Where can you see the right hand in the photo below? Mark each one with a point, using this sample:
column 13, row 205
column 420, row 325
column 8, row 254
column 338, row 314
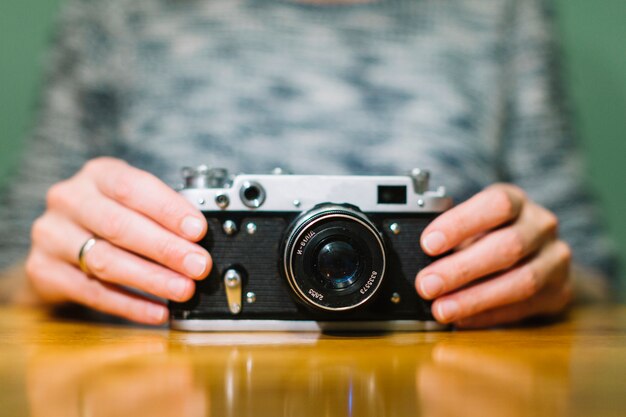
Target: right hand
column 146, row 233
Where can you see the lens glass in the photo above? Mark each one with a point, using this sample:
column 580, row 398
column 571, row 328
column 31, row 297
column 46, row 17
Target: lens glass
column 338, row 263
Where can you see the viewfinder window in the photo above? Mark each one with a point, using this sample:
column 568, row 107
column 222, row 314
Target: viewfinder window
column 392, row 194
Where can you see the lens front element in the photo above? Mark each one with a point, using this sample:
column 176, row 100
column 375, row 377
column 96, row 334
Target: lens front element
column 338, row 263
column 334, row 258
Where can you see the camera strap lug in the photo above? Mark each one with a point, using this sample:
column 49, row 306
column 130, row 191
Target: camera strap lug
column 232, row 284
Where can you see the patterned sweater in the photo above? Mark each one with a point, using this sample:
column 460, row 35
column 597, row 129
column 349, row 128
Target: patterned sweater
column 469, row 89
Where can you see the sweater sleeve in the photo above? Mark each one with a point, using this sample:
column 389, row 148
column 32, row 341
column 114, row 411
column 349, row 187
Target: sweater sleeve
column 76, row 110
column 539, row 147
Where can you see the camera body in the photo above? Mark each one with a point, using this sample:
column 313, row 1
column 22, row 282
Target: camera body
column 310, row 253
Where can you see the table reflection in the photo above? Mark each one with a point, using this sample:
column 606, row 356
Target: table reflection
column 134, row 378
column 298, row 375
column 491, row 381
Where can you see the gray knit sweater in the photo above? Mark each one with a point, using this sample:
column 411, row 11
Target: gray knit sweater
column 469, row 89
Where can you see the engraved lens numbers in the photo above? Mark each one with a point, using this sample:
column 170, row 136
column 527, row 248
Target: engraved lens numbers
column 315, row 294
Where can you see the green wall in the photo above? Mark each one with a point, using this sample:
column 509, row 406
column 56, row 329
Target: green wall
column 24, row 29
column 595, row 47
column 595, row 50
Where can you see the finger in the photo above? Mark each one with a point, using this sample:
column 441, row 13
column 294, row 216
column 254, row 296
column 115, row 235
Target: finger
column 134, row 232
column 549, row 302
column 487, row 210
column 146, row 194
column 550, row 266
column 470, row 241
column 116, row 266
column 61, row 238
column 498, row 250
column 35, row 267
column 49, row 273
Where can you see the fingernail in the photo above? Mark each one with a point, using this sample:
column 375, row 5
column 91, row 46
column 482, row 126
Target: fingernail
column 431, row 285
column 177, row 288
column 448, row 310
column 195, row 264
column 156, row 313
column 434, row 242
column 192, row 227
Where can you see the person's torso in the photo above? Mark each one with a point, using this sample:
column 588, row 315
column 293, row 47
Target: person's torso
column 375, row 88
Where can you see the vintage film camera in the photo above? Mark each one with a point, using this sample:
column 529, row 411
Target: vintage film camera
column 309, row 252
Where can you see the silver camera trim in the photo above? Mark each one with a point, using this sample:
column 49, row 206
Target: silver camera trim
column 288, row 193
column 290, row 249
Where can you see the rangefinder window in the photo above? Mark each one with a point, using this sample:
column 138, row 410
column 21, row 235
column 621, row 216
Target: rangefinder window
column 392, row 194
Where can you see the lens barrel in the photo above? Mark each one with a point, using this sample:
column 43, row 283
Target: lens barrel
column 334, row 258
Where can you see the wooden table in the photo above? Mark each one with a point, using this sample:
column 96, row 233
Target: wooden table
column 64, row 367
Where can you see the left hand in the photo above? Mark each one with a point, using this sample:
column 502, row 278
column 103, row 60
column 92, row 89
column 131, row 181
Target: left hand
column 507, row 262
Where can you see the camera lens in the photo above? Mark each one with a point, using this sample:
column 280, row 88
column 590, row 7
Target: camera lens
column 334, row 258
column 338, row 262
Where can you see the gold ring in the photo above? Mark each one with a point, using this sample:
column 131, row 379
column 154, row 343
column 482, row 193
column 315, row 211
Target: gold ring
column 87, row 246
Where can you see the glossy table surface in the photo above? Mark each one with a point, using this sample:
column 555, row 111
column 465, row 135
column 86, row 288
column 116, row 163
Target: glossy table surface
column 64, row 367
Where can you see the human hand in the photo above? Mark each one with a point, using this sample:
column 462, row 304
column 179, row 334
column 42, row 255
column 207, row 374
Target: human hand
column 508, row 263
column 145, row 241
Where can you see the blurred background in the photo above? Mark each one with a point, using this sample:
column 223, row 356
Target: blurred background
column 594, row 36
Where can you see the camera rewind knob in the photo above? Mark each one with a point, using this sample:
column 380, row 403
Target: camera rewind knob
column 420, row 178
column 205, row 177
column 281, row 171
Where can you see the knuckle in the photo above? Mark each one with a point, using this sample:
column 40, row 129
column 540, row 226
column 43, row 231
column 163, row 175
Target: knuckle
column 56, row 195
column 39, row 276
column 511, row 190
column 114, row 226
column 529, row 282
column 94, row 165
column 32, row 267
column 513, row 245
column 38, row 230
column 516, row 190
column 121, row 187
column 454, row 226
column 564, row 251
column 172, row 209
column 551, row 222
column 169, row 250
column 502, row 202
column 462, row 272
